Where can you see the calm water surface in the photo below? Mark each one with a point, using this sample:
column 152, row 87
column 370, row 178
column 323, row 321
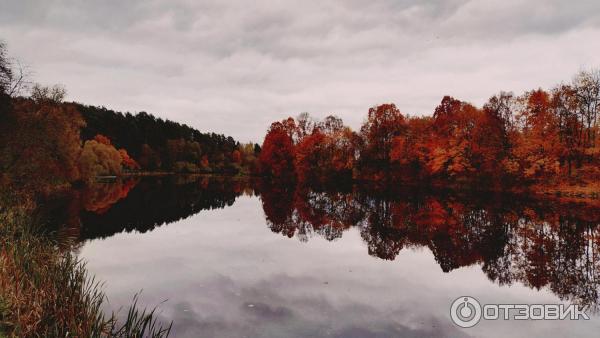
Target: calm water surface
column 231, row 258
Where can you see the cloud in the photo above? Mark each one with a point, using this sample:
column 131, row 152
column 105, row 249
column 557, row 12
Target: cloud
column 233, row 67
column 276, row 308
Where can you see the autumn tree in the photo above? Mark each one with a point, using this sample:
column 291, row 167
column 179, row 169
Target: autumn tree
column 383, row 124
column 99, row 159
column 410, row 153
column 343, row 145
column 40, row 144
column 451, row 145
column 277, row 155
column 102, row 139
column 236, row 157
column 128, row 162
column 538, row 147
column 310, row 157
column 248, row 158
column 328, row 152
column 340, row 146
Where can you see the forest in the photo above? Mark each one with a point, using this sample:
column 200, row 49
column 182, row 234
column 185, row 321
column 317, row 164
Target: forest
column 541, row 139
column 47, row 144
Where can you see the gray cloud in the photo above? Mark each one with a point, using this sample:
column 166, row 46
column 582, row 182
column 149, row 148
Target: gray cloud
column 273, row 309
column 233, row 66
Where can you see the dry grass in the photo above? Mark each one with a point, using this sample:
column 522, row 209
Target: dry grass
column 46, row 291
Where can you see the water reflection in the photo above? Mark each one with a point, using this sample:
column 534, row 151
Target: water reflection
column 539, row 243
column 157, row 201
column 104, row 209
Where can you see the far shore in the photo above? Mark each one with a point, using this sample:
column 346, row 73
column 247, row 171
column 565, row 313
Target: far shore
column 581, row 193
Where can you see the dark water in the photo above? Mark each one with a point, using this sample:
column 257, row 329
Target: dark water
column 238, row 258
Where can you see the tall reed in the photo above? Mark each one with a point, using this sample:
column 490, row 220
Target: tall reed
column 46, row 291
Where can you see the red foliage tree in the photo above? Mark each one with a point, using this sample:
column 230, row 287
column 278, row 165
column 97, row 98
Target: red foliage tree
column 277, row 155
column 310, row 155
column 102, row 139
column 409, row 152
column 128, row 162
column 384, row 123
column 236, row 157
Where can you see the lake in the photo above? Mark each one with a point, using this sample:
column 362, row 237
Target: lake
column 224, row 257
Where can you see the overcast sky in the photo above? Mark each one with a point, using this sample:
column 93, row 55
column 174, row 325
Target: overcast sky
column 235, row 66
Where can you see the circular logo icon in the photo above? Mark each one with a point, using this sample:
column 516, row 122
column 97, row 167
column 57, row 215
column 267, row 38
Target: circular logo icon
column 465, row 311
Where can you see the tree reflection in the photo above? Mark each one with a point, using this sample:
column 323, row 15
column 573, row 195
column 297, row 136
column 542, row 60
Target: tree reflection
column 538, row 243
column 99, row 198
column 157, row 201
column 104, row 209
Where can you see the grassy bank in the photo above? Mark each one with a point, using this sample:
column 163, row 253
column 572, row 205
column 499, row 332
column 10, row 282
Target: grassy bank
column 45, row 291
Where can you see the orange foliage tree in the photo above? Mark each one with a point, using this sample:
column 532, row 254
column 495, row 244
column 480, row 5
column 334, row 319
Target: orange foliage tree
column 451, row 145
column 537, row 147
column 40, row 144
column 533, row 138
column 327, row 152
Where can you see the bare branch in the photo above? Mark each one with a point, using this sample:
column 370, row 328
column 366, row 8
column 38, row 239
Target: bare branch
column 13, row 75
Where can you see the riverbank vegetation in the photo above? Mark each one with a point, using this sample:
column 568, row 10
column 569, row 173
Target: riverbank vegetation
column 45, row 290
column 47, row 140
column 539, row 141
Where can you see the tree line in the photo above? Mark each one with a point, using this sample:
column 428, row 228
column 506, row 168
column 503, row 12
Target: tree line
column 158, row 144
column 542, row 136
column 47, row 143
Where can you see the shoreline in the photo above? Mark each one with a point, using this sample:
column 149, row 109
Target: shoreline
column 572, row 193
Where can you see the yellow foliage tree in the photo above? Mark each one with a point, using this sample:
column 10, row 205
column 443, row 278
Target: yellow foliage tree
column 99, row 159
